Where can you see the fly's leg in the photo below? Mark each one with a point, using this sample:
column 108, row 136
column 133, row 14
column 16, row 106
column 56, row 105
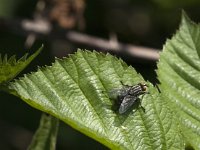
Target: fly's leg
column 143, row 109
column 158, row 88
column 124, row 84
column 140, row 105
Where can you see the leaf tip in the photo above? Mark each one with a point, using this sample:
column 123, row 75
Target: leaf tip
column 185, row 19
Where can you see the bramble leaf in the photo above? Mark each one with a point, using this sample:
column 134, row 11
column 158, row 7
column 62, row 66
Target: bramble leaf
column 10, row 67
column 179, row 74
column 46, row 135
column 75, row 90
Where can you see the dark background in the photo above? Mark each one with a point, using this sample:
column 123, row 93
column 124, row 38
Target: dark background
column 137, row 22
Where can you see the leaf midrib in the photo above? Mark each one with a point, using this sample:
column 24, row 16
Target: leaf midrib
column 121, row 130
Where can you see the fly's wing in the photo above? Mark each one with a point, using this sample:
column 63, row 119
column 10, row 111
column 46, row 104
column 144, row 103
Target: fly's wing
column 116, row 93
column 127, row 102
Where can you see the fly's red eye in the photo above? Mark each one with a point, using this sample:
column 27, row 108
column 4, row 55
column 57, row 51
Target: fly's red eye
column 143, row 86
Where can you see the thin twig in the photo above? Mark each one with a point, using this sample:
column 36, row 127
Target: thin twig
column 135, row 51
column 42, row 28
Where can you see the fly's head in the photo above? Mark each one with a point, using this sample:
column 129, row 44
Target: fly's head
column 144, row 87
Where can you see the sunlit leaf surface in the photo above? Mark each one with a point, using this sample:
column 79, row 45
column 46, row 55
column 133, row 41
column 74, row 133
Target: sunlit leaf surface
column 75, row 90
column 179, row 74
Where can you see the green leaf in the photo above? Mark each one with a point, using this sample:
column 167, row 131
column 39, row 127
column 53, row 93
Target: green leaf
column 171, row 4
column 179, row 74
column 46, row 135
column 10, row 68
column 76, row 89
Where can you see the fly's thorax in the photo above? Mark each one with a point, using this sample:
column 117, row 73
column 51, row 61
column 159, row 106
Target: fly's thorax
column 138, row 89
column 135, row 90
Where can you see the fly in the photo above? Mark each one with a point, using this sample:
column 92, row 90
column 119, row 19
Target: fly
column 127, row 96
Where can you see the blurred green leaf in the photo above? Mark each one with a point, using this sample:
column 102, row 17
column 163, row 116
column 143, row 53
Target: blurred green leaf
column 176, row 4
column 46, row 135
column 179, row 74
column 10, row 68
column 8, row 7
column 75, row 90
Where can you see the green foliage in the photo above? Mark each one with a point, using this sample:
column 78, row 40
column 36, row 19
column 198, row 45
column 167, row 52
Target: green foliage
column 46, row 135
column 10, row 67
column 179, row 74
column 76, row 89
column 171, row 4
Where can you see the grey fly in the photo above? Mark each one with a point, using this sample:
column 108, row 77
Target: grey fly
column 127, row 96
